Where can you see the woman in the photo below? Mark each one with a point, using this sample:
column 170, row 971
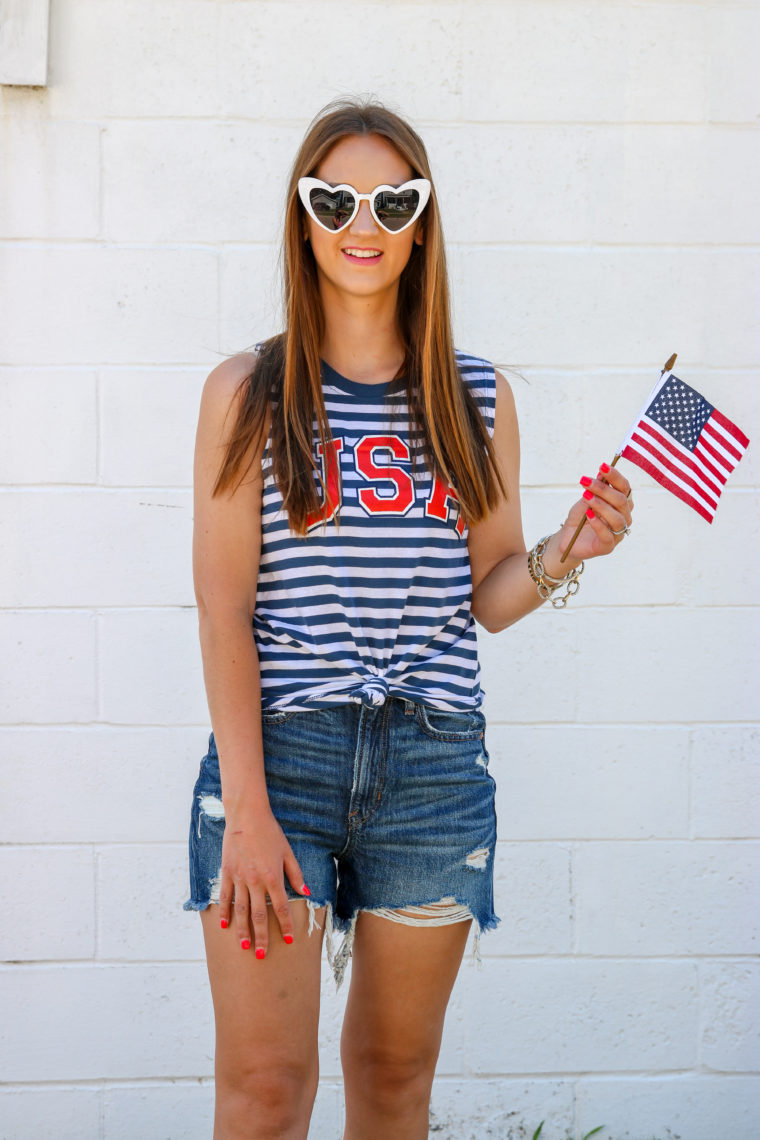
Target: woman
column 356, row 506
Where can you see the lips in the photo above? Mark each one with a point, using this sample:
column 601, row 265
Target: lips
column 366, row 259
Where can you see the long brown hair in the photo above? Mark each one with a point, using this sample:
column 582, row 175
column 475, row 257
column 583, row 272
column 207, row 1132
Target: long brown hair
column 286, row 377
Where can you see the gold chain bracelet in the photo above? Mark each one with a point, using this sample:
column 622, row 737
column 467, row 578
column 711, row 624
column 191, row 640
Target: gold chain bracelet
column 545, row 583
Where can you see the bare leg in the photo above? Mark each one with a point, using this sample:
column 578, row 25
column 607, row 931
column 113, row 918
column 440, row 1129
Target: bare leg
column 401, row 980
column 267, row 1015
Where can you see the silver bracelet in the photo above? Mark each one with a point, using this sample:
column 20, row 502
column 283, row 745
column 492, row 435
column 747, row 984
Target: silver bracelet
column 545, row 583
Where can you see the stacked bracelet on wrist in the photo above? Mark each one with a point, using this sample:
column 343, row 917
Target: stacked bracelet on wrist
column 545, row 584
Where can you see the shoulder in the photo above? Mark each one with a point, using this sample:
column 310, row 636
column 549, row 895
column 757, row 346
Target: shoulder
column 225, row 383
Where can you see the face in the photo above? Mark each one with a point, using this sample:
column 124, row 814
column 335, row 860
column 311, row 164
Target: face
column 364, row 162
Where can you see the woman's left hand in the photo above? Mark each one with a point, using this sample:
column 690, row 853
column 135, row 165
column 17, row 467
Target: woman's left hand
column 611, row 506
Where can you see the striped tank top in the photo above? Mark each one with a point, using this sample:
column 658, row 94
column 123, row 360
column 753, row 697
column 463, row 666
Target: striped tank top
column 380, row 606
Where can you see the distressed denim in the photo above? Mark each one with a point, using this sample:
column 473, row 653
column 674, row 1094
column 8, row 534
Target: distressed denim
column 385, row 808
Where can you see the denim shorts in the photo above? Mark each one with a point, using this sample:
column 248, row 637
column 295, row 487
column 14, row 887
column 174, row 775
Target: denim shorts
column 385, row 807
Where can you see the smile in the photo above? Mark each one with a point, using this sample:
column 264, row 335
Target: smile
column 364, row 255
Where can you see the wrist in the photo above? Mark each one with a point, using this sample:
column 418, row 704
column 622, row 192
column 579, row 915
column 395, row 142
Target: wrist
column 552, row 555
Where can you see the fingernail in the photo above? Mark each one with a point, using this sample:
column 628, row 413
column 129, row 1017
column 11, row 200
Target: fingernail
column 590, row 514
column 586, row 481
column 604, row 467
column 260, row 952
column 288, row 937
column 224, row 924
column 588, row 494
column 245, row 943
column 305, row 890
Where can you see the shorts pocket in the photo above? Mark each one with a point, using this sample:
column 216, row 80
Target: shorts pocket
column 441, row 725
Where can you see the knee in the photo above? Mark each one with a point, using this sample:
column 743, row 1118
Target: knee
column 393, row 1078
column 265, row 1100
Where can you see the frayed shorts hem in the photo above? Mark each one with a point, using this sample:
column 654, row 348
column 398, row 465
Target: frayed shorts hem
column 339, row 958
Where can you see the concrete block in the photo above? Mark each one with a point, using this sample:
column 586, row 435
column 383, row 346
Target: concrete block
column 148, row 421
column 124, row 60
column 107, row 527
column 730, row 1023
column 64, row 1113
column 48, row 673
column 635, row 183
column 495, row 1109
column 141, row 1021
column 180, row 1110
column 64, row 928
column 54, row 439
column 184, row 1110
column 530, row 659
column 693, row 1105
column 151, row 668
column 545, row 61
column 261, row 59
column 561, row 306
column 119, row 785
column 725, row 781
column 733, row 32
column 43, row 194
column 137, row 882
column 532, row 890
column 580, row 1016
column 589, row 781
column 732, row 297
column 73, row 304
column 190, row 180
column 250, row 297
column 720, row 644
column 662, row 897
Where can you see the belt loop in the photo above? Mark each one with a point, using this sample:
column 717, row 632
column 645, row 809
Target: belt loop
column 408, row 707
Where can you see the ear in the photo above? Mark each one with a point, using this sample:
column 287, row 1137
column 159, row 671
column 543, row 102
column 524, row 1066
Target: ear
column 419, row 236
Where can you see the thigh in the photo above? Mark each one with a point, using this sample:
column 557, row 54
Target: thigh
column 401, row 981
column 259, row 1003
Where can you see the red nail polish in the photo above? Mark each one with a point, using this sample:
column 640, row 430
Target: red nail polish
column 590, row 514
column 604, row 467
column 586, row 481
column 305, row 890
column 245, row 943
column 588, row 494
column 224, row 924
column 260, row 952
column 288, row 937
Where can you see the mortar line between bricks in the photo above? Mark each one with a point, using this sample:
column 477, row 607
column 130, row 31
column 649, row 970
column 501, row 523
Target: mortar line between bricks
column 516, row 839
column 134, row 726
column 221, row 246
column 12, row 965
column 578, row 370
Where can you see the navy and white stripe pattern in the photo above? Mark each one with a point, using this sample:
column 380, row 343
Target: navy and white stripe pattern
column 380, row 606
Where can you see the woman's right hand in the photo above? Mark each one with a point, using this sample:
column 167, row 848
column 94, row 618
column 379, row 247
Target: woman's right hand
column 254, row 854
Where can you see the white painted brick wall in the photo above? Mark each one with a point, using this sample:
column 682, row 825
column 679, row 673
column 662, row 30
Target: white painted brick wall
column 598, row 169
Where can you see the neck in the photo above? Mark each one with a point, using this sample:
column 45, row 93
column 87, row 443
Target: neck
column 361, row 338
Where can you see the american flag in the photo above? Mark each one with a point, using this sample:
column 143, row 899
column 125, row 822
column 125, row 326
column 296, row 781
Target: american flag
column 685, row 443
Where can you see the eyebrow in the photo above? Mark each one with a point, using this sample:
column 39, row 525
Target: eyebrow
column 394, row 186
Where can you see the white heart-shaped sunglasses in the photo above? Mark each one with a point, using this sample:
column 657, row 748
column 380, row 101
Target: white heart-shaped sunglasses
column 335, row 207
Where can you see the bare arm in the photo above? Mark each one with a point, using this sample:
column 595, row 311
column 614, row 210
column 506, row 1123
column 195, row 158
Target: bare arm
column 226, row 552
column 502, row 588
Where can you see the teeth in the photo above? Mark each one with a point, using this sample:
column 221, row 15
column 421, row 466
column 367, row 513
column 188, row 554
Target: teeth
column 362, row 252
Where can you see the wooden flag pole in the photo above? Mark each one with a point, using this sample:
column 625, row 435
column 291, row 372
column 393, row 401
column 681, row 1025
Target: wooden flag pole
column 666, row 368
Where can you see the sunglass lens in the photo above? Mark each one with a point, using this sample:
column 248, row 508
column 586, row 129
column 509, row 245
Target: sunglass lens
column 332, row 207
column 395, row 210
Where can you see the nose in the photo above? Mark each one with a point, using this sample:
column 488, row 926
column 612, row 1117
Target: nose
column 363, row 223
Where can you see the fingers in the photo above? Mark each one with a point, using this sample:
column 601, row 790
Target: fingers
column 225, row 899
column 608, row 497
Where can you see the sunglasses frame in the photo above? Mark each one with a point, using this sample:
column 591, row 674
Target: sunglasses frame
column 421, row 185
